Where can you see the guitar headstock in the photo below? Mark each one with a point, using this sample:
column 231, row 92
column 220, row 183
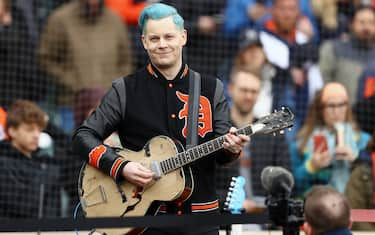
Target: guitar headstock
column 235, row 196
column 276, row 121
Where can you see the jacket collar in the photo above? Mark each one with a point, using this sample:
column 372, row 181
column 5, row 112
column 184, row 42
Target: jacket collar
column 154, row 72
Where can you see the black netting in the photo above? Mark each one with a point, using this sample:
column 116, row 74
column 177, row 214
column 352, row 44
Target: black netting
column 63, row 56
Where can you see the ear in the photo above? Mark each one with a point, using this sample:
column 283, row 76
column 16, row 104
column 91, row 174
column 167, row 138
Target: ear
column 184, row 37
column 350, row 224
column 11, row 132
column 230, row 88
column 144, row 42
column 307, row 228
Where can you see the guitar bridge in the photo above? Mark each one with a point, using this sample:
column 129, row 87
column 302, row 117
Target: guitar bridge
column 95, row 197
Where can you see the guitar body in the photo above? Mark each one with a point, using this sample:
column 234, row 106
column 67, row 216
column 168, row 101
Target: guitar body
column 101, row 196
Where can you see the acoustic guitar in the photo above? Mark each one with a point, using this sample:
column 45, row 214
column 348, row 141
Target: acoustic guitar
column 101, row 196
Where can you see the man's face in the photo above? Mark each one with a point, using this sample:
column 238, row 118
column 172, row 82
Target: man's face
column 163, row 42
column 285, row 14
column 363, row 25
column 244, row 91
column 25, row 137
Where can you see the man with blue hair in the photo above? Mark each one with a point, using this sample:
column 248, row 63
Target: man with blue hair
column 153, row 101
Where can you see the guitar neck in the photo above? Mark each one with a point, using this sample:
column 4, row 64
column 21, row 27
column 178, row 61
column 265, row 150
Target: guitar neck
column 202, row 150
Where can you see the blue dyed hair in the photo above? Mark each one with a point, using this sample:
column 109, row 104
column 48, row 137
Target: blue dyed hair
column 158, row 11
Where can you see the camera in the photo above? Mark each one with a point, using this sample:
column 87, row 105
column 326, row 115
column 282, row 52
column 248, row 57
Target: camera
column 283, row 210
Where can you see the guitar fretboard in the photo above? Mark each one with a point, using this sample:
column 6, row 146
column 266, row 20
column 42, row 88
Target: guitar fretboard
column 197, row 152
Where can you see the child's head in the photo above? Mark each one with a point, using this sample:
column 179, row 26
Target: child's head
column 25, row 122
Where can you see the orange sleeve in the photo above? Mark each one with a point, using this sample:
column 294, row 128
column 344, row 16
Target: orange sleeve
column 369, row 90
column 3, row 117
column 127, row 10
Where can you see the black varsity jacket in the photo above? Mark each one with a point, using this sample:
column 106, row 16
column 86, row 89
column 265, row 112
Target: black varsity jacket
column 144, row 105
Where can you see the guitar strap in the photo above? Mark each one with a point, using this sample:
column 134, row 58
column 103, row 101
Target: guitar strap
column 193, row 109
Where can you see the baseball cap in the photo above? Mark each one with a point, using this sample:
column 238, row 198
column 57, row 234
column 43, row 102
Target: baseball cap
column 248, row 38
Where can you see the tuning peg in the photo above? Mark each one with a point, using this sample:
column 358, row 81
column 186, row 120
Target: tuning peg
column 282, row 132
column 289, row 129
column 274, row 134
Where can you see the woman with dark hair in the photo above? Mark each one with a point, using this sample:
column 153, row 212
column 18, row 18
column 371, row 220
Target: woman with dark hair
column 328, row 142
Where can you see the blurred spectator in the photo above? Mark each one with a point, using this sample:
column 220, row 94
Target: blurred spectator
column 327, row 17
column 129, row 11
column 29, row 181
column 85, row 102
column 250, row 13
column 360, row 189
column 251, row 56
column 17, row 64
column 35, row 13
column 206, row 47
column 263, row 150
column 343, row 60
column 328, row 142
column 333, row 17
column 364, row 108
column 327, row 212
column 365, row 113
column 83, row 44
column 366, row 82
column 287, row 41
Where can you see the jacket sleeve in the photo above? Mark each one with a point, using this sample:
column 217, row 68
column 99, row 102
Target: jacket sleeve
column 221, row 122
column 301, row 174
column 88, row 138
column 327, row 60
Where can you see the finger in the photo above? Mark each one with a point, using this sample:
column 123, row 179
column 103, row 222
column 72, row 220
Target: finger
column 232, row 130
column 143, row 168
column 229, row 139
column 144, row 175
column 244, row 138
column 143, row 182
column 320, row 147
column 236, row 139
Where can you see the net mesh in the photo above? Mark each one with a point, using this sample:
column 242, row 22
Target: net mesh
column 63, row 57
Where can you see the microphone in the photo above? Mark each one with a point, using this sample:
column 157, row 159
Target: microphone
column 277, row 181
